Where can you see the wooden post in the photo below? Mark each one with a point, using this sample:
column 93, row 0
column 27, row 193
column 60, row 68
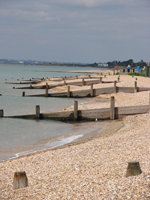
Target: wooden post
column 37, row 112
column 135, row 86
column 20, row 180
column 83, row 82
column 100, row 79
column 105, row 75
column 112, row 107
column 23, row 93
column 76, row 76
column 149, row 102
column 68, row 93
column 92, row 94
column 46, row 92
column 75, row 110
column 64, row 82
column 1, row 113
column 133, row 169
column 30, row 86
column 47, row 86
column 89, row 76
column 115, row 89
column 118, row 78
column 114, row 72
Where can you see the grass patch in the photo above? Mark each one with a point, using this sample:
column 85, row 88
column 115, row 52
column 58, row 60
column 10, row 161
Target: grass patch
column 137, row 74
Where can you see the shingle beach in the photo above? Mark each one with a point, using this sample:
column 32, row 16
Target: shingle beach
column 92, row 169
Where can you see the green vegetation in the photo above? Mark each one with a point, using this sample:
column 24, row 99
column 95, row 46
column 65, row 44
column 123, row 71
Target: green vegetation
column 142, row 73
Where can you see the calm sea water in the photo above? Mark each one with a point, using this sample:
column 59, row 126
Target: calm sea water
column 18, row 136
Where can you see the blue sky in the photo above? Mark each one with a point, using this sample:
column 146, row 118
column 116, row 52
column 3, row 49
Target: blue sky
column 75, row 30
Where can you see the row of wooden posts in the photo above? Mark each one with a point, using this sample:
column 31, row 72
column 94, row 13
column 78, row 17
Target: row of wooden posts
column 37, row 116
column 91, row 93
column 20, row 178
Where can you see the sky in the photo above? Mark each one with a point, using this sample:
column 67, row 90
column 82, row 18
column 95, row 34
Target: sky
column 83, row 31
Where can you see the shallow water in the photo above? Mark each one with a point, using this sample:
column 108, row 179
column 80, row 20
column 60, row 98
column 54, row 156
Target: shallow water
column 18, row 136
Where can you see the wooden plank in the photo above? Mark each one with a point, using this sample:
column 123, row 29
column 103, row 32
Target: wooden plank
column 130, row 110
column 93, row 114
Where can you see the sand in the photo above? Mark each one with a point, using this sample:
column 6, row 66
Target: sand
column 94, row 168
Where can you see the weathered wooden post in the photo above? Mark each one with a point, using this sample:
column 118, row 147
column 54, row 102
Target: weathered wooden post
column 76, row 76
column 68, row 93
column 149, row 102
column 133, row 169
column 75, row 110
column 118, row 78
column 37, row 112
column 92, row 93
column 105, row 75
column 46, row 90
column 115, row 89
column 112, row 107
column 1, row 113
column 64, row 82
column 114, row 72
column 31, row 87
column 83, row 82
column 100, row 79
column 89, row 76
column 20, row 180
column 23, row 94
column 47, row 86
column 135, row 86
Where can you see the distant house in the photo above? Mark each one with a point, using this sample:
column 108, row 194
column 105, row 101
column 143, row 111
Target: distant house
column 102, row 65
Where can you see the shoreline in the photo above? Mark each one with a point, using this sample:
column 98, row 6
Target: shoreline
column 106, row 127
column 92, row 168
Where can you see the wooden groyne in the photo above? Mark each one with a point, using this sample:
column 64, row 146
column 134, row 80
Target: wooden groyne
column 86, row 115
column 91, row 92
column 81, row 82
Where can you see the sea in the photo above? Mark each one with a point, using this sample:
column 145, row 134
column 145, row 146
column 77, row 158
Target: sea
column 21, row 136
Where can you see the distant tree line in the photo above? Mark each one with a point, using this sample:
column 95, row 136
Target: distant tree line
column 126, row 63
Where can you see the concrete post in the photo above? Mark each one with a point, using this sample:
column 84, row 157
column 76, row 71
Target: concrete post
column 92, row 94
column 115, row 89
column 68, row 93
column 75, row 110
column 37, row 112
column 23, row 93
column 112, row 108
column 1, row 113
column 135, row 86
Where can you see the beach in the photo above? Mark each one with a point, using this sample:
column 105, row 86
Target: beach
column 93, row 168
